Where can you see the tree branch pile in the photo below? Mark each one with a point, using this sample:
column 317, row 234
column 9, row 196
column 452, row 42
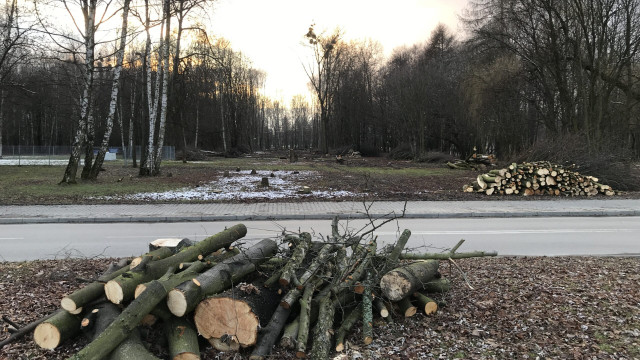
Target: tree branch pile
column 304, row 295
column 538, row 178
column 475, row 162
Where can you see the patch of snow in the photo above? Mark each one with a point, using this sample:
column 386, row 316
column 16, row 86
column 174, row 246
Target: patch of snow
column 242, row 185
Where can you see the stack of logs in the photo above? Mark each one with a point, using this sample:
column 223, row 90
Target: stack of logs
column 256, row 297
column 538, row 178
column 474, row 162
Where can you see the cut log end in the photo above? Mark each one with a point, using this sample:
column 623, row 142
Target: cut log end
column 228, row 320
column 394, row 287
column 177, row 302
column 340, row 347
column 368, row 340
column 227, row 344
column 187, row 356
column 113, row 291
column 76, row 311
column 68, row 304
column 431, row 308
column 410, row 311
column 384, row 313
column 139, row 290
column 47, row 336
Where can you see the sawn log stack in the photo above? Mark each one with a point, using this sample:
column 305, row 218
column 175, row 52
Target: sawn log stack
column 244, row 296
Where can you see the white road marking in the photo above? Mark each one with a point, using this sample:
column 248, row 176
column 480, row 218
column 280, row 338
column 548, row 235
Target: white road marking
column 11, row 238
column 509, row 232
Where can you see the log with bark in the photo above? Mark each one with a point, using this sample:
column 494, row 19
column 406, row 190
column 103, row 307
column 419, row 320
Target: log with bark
column 538, row 178
column 328, row 282
column 404, row 281
column 185, row 297
column 56, row 329
column 122, row 288
column 231, row 320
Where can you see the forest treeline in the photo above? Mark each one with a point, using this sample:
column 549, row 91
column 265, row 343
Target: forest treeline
column 527, row 75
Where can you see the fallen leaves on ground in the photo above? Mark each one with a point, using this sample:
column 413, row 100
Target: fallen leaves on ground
column 522, row 307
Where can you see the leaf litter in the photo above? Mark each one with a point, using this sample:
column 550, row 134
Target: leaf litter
column 522, row 307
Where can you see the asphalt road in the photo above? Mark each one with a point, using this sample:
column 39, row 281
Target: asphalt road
column 513, row 236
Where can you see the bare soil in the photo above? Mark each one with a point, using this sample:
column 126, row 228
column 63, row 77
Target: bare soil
column 526, row 308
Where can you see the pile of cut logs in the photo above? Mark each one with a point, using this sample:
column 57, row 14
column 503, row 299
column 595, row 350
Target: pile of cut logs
column 474, row 162
column 253, row 297
column 538, row 178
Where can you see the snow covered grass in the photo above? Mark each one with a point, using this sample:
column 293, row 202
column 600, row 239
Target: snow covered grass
column 243, row 186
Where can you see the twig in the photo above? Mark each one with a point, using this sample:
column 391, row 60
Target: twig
column 464, row 276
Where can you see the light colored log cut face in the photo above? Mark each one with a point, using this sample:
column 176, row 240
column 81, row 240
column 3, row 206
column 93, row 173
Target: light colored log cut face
column 395, row 286
column 113, row 291
column 47, row 336
column 217, row 317
column 68, row 304
column 176, row 302
column 187, row 356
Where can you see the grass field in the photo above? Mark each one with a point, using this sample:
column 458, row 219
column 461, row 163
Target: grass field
column 38, row 184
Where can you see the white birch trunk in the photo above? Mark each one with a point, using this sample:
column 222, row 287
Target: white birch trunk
column 152, row 102
column 131, row 120
column 224, row 131
column 1, row 119
column 69, row 176
column 115, row 87
column 195, row 142
column 165, row 87
column 121, row 125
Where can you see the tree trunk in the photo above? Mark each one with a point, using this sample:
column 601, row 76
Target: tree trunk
column 427, row 304
column 185, row 297
column 290, row 334
column 367, row 312
column 55, row 330
column 345, row 327
column 79, row 141
column 304, row 321
column 22, row 331
column 79, row 298
column 183, row 339
column 324, row 330
column 404, row 281
column 122, row 288
column 269, row 335
column 115, row 87
column 235, row 316
column 157, row 157
column 299, row 254
column 406, row 307
column 121, row 328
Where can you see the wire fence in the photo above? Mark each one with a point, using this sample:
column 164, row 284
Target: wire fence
column 53, row 155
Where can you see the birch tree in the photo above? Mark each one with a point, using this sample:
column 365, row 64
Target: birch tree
column 115, row 86
column 88, row 8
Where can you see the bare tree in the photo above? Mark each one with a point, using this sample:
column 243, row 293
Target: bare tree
column 115, row 87
column 322, row 75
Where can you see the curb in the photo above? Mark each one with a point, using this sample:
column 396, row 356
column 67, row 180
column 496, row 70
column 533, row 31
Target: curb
column 211, row 218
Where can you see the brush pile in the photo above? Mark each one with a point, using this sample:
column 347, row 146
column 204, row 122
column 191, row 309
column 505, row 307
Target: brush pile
column 250, row 298
column 475, row 162
column 538, row 178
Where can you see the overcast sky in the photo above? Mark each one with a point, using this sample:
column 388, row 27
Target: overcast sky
column 270, row 32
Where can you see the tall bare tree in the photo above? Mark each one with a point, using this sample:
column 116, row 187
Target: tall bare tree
column 115, row 87
column 322, row 75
